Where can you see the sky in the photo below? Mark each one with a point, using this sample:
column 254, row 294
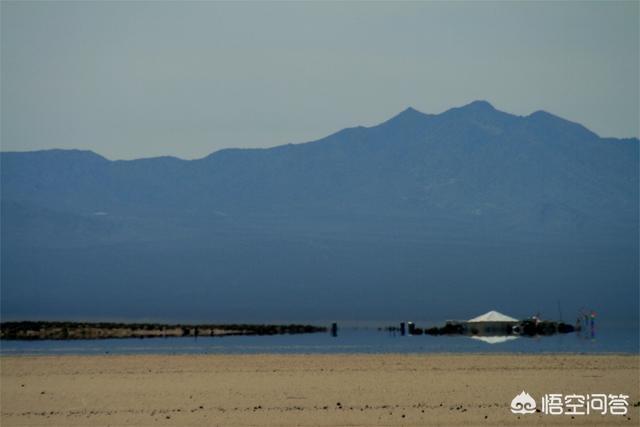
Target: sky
column 143, row 79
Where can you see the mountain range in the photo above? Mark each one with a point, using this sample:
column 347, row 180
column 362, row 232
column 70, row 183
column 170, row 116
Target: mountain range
column 422, row 216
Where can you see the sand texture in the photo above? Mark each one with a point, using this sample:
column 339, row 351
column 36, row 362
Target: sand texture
column 307, row 390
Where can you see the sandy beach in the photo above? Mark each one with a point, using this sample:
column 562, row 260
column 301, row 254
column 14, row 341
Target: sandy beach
column 308, row 390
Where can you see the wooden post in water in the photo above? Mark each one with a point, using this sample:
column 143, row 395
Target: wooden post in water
column 334, row 329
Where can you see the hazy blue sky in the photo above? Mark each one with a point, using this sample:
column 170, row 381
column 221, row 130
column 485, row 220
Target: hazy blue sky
column 141, row 79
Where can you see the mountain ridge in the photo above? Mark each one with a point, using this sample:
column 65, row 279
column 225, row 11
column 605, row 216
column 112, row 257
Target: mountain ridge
column 477, row 105
column 471, row 200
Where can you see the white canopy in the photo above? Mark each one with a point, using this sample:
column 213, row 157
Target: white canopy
column 492, row 316
column 495, row 340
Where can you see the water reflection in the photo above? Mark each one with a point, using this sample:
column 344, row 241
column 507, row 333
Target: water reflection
column 495, row 339
column 616, row 338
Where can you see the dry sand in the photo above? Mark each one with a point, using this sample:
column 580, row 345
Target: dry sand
column 310, row 390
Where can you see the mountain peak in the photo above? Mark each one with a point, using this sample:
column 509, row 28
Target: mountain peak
column 544, row 115
column 476, row 108
column 408, row 115
column 479, row 105
column 409, row 110
column 551, row 121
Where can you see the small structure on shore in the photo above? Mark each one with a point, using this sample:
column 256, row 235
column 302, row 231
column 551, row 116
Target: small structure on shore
column 491, row 323
column 497, row 325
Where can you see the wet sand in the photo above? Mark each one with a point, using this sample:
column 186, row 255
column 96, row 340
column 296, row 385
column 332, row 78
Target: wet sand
column 308, row 390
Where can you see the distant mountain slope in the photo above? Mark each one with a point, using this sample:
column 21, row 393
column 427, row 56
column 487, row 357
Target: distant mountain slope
column 472, row 175
column 472, row 160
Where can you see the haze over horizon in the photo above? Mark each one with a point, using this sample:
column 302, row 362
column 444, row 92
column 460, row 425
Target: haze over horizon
column 136, row 80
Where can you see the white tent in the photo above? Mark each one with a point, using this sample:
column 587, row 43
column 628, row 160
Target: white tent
column 492, row 316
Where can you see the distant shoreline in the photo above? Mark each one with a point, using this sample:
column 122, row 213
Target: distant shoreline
column 44, row 330
column 355, row 355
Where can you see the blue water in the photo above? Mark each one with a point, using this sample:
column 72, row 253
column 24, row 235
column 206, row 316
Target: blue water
column 607, row 339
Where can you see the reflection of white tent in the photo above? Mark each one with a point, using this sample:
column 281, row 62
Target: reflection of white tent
column 495, row 340
column 492, row 316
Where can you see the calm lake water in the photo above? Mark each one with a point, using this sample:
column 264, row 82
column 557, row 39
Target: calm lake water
column 608, row 338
